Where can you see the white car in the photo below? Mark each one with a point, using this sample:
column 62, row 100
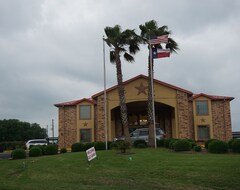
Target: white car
column 143, row 133
column 35, row 142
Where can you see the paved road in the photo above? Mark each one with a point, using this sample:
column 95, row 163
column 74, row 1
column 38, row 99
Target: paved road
column 5, row 155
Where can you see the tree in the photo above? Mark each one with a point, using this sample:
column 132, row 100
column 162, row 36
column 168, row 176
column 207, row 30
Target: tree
column 148, row 30
column 15, row 130
column 127, row 43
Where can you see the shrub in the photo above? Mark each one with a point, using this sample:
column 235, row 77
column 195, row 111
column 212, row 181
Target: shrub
column 35, row 151
column 160, row 142
column 182, row 145
column 140, row 141
column 192, row 142
column 207, row 142
column 172, row 142
column 86, row 146
column 63, row 150
column 18, row 153
column 121, row 145
column 100, row 145
column 109, row 144
column 50, row 149
column 77, row 147
column 236, row 146
column 141, row 145
column 217, row 146
column 230, row 143
column 197, row 148
column 167, row 142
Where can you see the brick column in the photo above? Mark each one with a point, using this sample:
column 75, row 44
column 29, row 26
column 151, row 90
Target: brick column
column 184, row 118
column 67, row 126
column 221, row 118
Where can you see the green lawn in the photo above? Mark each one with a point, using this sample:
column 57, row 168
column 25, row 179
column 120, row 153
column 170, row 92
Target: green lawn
column 148, row 169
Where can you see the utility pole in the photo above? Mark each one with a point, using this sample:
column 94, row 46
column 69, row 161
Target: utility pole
column 53, row 130
column 47, row 131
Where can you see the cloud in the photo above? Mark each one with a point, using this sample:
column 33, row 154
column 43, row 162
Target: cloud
column 51, row 51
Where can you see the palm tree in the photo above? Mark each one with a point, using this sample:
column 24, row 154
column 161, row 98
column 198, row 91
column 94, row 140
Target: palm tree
column 148, row 30
column 127, row 43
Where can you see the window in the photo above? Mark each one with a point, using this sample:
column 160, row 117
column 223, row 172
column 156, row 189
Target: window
column 85, row 135
column 203, row 132
column 85, row 112
column 202, row 107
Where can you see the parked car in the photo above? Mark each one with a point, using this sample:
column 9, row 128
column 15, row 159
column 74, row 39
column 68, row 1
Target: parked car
column 143, row 133
column 35, row 142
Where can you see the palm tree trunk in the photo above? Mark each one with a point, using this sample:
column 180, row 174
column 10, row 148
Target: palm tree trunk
column 122, row 100
column 151, row 139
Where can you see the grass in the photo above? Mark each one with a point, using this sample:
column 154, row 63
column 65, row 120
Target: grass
column 148, row 168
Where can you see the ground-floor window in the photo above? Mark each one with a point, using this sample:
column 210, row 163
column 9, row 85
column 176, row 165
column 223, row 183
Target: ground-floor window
column 203, row 132
column 85, row 135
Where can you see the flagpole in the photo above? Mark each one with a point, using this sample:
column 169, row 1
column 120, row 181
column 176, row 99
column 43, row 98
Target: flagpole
column 153, row 105
column 105, row 96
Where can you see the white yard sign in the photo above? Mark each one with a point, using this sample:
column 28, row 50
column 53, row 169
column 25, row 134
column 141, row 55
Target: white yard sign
column 91, row 153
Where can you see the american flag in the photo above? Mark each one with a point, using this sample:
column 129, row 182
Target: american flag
column 159, row 39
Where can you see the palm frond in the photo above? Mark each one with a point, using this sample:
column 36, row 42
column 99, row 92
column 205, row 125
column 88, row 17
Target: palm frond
column 172, row 45
column 128, row 57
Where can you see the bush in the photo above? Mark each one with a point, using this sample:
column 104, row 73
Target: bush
column 182, row 145
column 192, row 142
column 88, row 145
column 141, row 145
column 100, row 145
column 121, row 145
column 230, row 143
column 35, row 151
column 167, row 142
column 77, row 147
column 197, row 148
column 140, row 141
column 207, row 142
column 160, row 142
column 236, row 146
column 63, row 150
column 50, row 149
column 18, row 153
column 217, row 146
column 172, row 142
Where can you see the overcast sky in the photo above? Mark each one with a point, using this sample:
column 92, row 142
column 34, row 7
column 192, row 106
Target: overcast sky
column 51, row 51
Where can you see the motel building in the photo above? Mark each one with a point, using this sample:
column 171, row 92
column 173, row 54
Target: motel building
column 179, row 112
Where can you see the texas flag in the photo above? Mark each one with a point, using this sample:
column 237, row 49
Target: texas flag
column 160, row 53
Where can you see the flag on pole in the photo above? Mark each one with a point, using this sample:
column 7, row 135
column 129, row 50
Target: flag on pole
column 159, row 39
column 160, row 53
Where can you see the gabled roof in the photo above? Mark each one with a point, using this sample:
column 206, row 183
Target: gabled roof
column 144, row 77
column 212, row 97
column 75, row 102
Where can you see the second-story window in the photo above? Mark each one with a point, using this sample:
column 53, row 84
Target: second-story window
column 85, row 112
column 202, row 107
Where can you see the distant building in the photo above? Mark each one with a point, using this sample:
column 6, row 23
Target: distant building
column 179, row 112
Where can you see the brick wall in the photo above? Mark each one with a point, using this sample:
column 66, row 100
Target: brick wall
column 67, row 126
column 185, row 127
column 99, row 124
column 221, row 118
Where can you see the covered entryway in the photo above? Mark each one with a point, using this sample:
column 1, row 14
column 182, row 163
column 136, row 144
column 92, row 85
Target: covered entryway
column 137, row 117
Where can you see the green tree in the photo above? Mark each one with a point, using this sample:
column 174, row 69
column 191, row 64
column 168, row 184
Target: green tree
column 127, row 43
column 15, row 130
column 148, row 30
